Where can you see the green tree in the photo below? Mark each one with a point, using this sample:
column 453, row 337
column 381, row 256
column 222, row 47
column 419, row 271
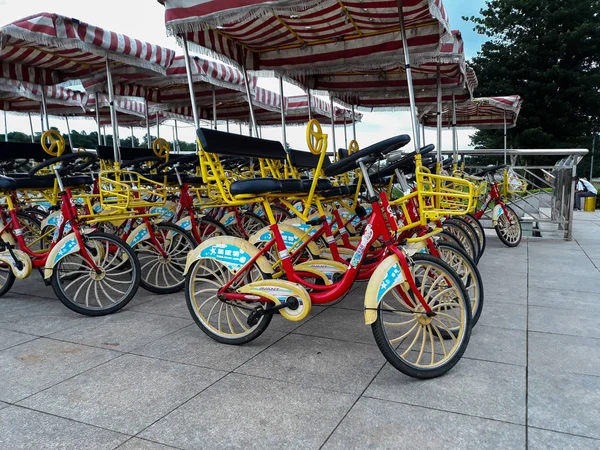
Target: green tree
column 548, row 52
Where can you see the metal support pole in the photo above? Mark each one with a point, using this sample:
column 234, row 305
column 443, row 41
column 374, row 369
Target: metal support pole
column 176, row 130
column 148, row 136
column 31, row 127
column 69, row 133
column 214, row 100
column 309, row 106
column 188, row 66
column 439, row 115
column 113, row 113
column 240, row 128
column 332, row 123
column 454, row 134
column 505, row 139
column 353, row 124
column 5, row 128
column 44, row 111
column 104, row 134
column 411, row 93
column 98, row 119
column 132, row 139
column 157, row 127
column 345, row 133
column 283, row 130
column 249, row 94
column 423, row 133
column 227, row 123
column 592, row 162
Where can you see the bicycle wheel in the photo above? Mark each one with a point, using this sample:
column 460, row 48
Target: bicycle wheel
column 447, row 237
column 510, row 235
column 250, row 224
column 164, row 274
column 467, row 271
column 209, row 227
column 7, row 279
column 225, row 322
column 83, row 290
column 412, row 341
column 472, row 220
column 35, row 238
column 472, row 234
column 462, row 237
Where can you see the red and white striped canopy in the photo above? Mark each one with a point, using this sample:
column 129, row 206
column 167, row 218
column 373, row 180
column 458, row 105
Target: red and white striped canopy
column 67, row 49
column 376, row 89
column 480, row 113
column 310, row 36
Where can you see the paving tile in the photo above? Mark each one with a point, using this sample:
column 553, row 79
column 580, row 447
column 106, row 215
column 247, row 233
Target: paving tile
column 504, row 289
column 167, row 305
column 278, row 323
column 34, row 286
column 497, row 345
column 142, row 444
column 477, row 388
column 565, row 300
column 550, row 440
column 253, row 413
column 4, row 405
column 386, row 425
column 36, row 365
column 568, row 353
column 11, row 338
column 326, row 363
column 122, row 331
column 43, row 319
column 576, row 322
column 586, row 282
column 341, row 324
column 191, row 346
column 565, row 402
column 23, row 429
column 503, row 315
column 124, row 395
column 12, row 302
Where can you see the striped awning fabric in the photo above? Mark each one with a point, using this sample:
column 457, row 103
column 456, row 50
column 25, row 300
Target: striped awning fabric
column 310, row 36
column 55, row 49
column 480, row 113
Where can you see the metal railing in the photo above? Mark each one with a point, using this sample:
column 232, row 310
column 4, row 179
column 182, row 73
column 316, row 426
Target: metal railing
column 546, row 205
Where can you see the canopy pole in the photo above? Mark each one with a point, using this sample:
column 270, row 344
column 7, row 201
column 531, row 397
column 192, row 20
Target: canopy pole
column 345, row 133
column 505, row 139
column 592, row 165
column 283, row 130
column 31, row 127
column 148, row 136
column 132, row 139
column 214, row 101
column 353, row 124
column 188, row 69
column 454, row 135
column 176, row 131
column 69, row 133
column 227, row 124
column 332, row 122
column 157, row 126
column 439, row 115
column 104, row 134
column 44, row 110
column 5, row 128
column 241, row 132
column 113, row 113
column 411, row 93
column 98, row 119
column 310, row 116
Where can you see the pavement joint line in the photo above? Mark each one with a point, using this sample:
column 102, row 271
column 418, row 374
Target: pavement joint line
column 362, row 395
column 147, row 440
column 66, row 379
column 564, row 334
column 472, row 358
column 564, row 432
column 72, row 420
column 335, row 339
column 20, row 343
column 527, row 358
column 444, row 410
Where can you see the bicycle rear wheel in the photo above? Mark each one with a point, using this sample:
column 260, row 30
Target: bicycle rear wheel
column 510, row 235
column 462, row 236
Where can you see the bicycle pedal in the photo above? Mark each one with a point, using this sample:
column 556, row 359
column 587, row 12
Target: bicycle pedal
column 290, row 299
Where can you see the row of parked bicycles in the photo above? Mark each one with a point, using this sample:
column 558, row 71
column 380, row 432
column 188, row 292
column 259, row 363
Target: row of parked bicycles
column 249, row 230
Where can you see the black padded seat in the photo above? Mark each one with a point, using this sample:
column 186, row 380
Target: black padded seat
column 43, row 182
column 292, row 185
column 490, row 170
column 25, row 150
column 7, row 184
column 230, row 144
column 321, row 185
column 193, row 180
column 256, row 186
column 306, row 160
column 339, row 191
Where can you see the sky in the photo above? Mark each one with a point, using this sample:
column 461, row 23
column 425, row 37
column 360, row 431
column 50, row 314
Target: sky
column 144, row 20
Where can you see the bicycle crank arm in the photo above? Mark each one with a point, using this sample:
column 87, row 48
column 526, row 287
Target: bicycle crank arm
column 256, row 314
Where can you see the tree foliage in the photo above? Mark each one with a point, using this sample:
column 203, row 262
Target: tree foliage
column 548, row 52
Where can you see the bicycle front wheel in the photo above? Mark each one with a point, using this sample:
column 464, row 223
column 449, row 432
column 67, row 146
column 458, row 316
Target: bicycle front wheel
column 97, row 293
column 420, row 345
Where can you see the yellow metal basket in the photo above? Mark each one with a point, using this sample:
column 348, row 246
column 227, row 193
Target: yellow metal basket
column 512, row 183
column 442, row 195
column 122, row 190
